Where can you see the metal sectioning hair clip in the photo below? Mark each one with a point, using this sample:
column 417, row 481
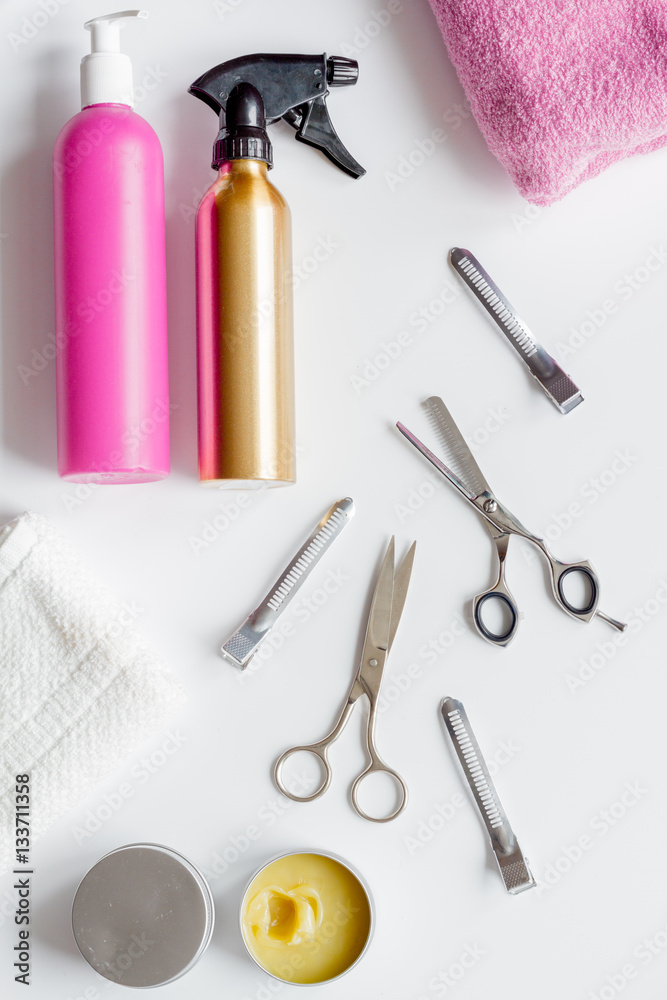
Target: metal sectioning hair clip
column 240, row 647
column 513, row 866
column 558, row 386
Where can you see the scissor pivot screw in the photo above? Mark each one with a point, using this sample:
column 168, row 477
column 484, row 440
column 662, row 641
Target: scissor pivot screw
column 373, row 662
column 490, row 506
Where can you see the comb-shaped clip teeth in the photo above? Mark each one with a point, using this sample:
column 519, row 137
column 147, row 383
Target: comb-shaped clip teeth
column 513, row 866
column 242, row 645
column 558, row 386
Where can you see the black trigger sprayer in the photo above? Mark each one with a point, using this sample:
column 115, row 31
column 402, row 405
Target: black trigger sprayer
column 293, row 88
column 245, row 367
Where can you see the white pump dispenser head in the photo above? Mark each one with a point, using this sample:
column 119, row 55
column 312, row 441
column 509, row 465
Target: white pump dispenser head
column 106, row 74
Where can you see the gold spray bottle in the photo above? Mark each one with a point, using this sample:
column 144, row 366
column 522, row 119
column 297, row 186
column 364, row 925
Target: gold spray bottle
column 245, row 365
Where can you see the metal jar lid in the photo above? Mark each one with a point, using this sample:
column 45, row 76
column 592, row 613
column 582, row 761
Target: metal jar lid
column 142, row 916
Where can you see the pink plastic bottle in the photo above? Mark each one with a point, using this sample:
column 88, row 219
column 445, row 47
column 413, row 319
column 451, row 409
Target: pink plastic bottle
column 110, row 286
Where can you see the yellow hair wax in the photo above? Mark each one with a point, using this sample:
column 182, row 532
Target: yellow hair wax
column 306, row 918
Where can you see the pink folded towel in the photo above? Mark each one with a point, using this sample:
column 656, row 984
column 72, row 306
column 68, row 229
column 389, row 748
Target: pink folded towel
column 561, row 89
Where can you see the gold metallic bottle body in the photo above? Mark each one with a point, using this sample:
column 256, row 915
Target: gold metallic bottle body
column 245, row 352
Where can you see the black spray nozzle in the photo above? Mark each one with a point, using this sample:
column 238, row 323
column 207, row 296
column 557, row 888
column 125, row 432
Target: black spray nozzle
column 245, row 107
column 244, row 136
column 274, row 86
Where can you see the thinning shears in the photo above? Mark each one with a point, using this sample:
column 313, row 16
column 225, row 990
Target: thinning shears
column 383, row 619
column 501, row 524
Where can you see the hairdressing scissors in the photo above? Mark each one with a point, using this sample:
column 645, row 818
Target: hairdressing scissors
column 383, row 619
column 501, row 525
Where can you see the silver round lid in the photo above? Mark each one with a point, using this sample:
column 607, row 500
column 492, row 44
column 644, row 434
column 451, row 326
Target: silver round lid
column 142, row 916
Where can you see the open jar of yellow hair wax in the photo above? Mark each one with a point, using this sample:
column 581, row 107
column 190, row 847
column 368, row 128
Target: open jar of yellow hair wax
column 306, row 918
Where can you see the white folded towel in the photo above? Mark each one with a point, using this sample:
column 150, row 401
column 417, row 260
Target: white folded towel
column 79, row 689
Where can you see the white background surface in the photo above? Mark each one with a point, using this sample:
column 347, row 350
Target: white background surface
column 575, row 749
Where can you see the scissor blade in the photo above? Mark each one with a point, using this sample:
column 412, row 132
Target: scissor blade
column 458, row 452
column 500, row 537
column 434, row 460
column 379, row 618
column 401, row 581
